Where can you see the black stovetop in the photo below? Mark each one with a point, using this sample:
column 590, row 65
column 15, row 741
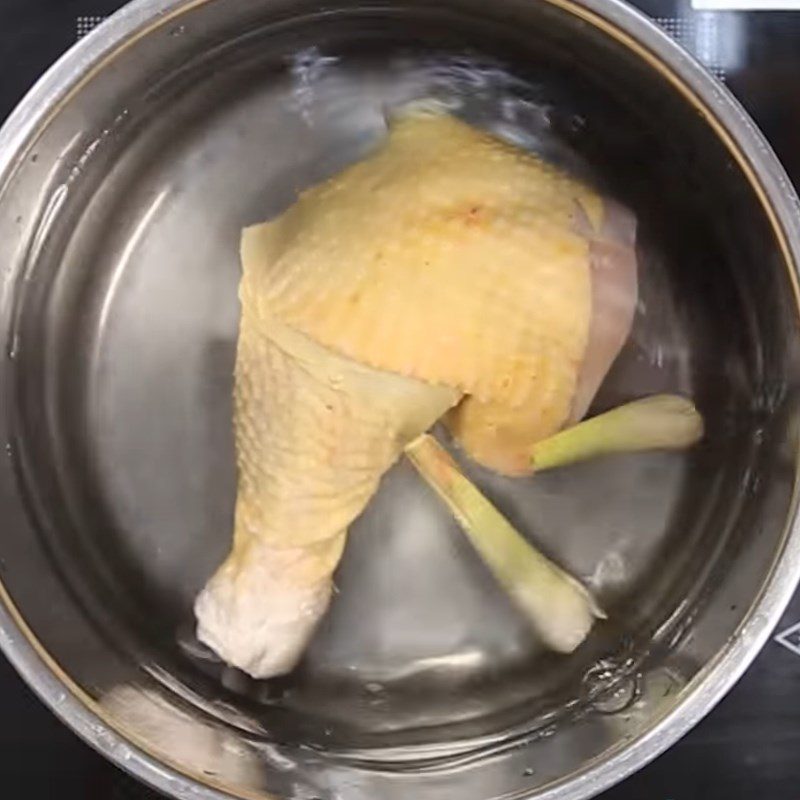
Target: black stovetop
column 749, row 747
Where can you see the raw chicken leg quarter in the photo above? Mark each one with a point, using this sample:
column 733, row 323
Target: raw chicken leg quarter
column 449, row 273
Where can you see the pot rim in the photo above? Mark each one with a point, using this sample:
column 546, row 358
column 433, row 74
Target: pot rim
column 754, row 157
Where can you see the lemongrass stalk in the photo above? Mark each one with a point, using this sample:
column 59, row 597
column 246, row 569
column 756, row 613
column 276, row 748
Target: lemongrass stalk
column 661, row 422
column 559, row 608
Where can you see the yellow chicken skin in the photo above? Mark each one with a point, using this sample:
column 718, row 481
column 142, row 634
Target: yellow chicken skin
column 500, row 434
column 315, row 432
column 448, row 271
column 448, row 256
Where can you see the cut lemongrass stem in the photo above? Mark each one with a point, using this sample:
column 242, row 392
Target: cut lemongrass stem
column 660, row 422
column 559, row 608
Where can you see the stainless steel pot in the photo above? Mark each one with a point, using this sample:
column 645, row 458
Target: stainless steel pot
column 125, row 176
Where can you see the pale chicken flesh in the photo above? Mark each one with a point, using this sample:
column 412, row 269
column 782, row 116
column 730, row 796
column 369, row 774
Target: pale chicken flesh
column 449, row 273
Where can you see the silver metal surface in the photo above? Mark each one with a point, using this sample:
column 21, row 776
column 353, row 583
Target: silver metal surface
column 125, row 178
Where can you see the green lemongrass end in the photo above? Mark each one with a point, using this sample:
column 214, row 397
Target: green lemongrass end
column 661, row 422
column 559, row 608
